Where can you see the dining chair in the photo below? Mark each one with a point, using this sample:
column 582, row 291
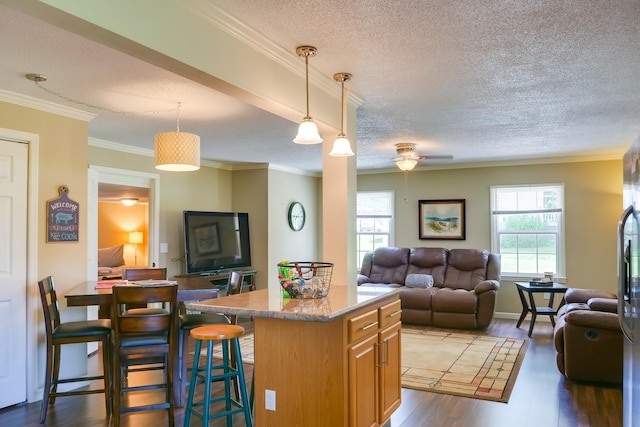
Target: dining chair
column 143, row 339
column 59, row 333
column 234, row 287
column 141, row 274
column 151, row 273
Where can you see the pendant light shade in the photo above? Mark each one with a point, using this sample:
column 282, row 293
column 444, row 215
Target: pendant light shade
column 177, row 151
column 307, row 131
column 341, row 146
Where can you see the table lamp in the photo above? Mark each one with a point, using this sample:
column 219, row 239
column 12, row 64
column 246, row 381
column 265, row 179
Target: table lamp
column 135, row 237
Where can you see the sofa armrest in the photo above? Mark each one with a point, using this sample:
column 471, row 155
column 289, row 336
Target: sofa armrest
column 362, row 279
column 584, row 295
column 593, row 319
column 486, row 285
column 603, row 304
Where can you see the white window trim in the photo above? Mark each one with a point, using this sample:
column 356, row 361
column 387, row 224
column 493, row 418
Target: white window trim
column 560, row 275
column 391, row 216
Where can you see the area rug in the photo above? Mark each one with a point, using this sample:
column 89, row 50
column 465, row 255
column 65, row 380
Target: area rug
column 475, row 366
column 246, row 348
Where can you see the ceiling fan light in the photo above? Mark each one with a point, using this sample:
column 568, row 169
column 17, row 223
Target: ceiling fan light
column 177, row 151
column 128, row 201
column 406, row 164
column 341, row 147
column 307, row 133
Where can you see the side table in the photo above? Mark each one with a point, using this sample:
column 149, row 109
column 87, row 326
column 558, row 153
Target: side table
column 530, row 306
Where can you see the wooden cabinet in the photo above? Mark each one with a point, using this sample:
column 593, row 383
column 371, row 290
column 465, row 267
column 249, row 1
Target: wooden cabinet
column 374, row 365
column 340, row 371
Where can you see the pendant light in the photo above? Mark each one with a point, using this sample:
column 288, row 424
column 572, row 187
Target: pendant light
column 177, row 151
column 307, row 131
column 341, row 146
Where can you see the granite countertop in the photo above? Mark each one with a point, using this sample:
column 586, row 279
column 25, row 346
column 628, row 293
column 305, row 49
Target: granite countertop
column 270, row 303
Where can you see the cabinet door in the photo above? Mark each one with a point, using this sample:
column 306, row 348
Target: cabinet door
column 390, row 365
column 363, row 383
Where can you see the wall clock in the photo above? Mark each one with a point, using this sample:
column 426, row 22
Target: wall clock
column 296, row 216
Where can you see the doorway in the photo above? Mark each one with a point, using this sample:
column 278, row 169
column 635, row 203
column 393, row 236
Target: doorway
column 126, row 178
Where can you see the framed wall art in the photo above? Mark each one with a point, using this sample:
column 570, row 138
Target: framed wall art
column 442, row 219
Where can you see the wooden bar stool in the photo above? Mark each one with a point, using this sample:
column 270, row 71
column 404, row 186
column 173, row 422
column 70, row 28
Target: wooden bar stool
column 224, row 334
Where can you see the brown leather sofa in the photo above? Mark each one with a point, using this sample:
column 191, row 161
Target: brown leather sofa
column 453, row 288
column 588, row 338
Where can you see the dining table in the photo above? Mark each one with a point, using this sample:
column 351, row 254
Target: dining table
column 99, row 293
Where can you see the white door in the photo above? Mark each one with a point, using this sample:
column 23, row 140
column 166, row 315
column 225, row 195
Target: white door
column 13, row 272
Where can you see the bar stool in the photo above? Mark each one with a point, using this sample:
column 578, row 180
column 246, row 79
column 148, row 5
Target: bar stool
column 224, row 334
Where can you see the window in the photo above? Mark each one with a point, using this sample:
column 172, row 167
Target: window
column 527, row 229
column 375, row 221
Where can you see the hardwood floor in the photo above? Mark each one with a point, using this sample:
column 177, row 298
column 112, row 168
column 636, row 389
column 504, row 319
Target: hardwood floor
column 541, row 398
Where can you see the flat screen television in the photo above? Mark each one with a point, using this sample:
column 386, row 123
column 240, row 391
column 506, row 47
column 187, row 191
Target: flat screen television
column 216, row 241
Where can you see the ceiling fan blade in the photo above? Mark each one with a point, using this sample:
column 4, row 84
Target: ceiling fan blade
column 443, row 157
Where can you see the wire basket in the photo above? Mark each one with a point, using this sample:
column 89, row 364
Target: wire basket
column 307, row 279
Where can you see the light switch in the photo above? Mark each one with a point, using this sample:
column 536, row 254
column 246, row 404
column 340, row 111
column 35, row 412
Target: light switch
column 164, row 248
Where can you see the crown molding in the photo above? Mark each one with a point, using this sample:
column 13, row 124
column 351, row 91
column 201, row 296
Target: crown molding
column 257, row 41
column 46, row 106
column 116, row 146
column 503, row 163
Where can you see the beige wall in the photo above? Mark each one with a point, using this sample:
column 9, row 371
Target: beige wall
column 63, row 161
column 284, row 243
column 593, row 202
column 250, row 194
column 266, row 194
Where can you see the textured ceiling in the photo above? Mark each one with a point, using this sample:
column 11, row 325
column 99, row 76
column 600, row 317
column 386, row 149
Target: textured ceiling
column 484, row 81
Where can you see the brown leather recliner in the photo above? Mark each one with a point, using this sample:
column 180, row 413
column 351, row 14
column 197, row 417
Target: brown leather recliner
column 588, row 338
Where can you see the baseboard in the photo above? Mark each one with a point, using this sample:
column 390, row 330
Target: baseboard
column 516, row 316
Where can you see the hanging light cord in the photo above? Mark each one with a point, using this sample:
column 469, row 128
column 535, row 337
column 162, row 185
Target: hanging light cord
column 406, row 186
column 37, row 79
column 178, row 117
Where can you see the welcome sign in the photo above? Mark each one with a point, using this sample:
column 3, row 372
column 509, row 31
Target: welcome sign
column 62, row 218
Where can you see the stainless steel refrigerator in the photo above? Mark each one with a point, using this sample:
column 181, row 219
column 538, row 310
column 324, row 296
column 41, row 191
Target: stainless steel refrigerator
column 629, row 284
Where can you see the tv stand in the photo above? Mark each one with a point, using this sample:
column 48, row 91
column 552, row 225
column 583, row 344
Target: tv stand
column 221, row 277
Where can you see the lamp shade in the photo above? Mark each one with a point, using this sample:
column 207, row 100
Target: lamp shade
column 129, row 201
column 135, row 237
column 177, row 151
column 406, row 164
column 341, row 147
column 307, row 133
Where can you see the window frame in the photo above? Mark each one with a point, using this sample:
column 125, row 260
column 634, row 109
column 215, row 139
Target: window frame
column 390, row 216
column 560, row 233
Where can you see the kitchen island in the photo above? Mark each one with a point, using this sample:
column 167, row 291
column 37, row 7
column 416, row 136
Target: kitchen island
column 332, row 361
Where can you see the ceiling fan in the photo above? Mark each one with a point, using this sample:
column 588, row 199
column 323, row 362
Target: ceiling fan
column 408, row 158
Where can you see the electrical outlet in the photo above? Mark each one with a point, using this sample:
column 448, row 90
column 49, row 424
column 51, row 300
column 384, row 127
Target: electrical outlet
column 547, row 295
column 270, row 400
